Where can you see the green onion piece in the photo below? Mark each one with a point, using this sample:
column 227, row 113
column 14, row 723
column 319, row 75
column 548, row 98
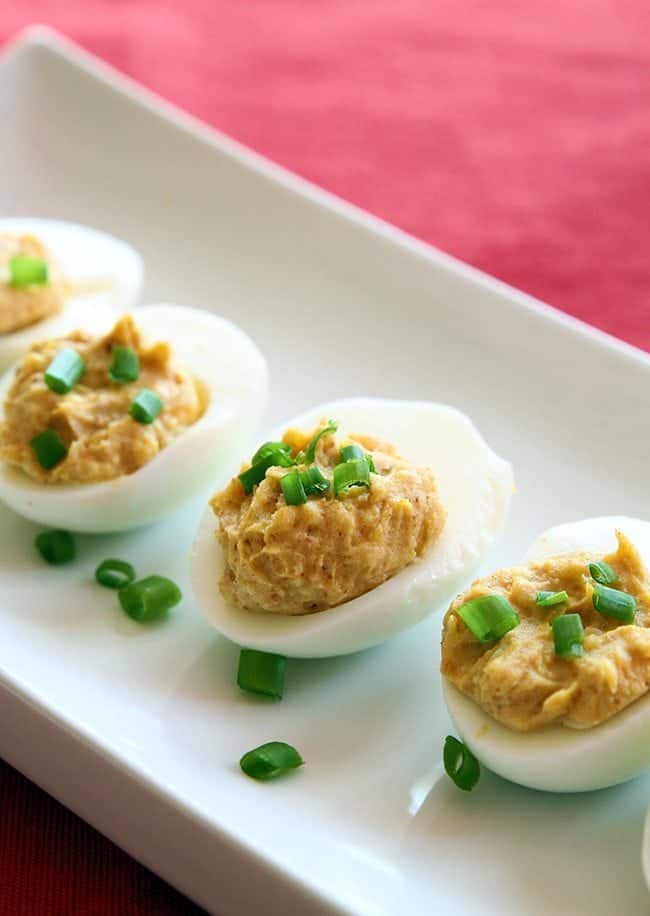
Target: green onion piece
column 146, row 406
column 603, row 573
column 550, row 599
column 348, row 452
column 149, row 598
column 308, row 456
column 355, row 473
column 270, row 760
column 56, row 547
column 125, row 366
column 293, row 490
column 261, row 672
column 257, row 471
column 489, row 617
column 279, row 450
column 371, row 463
column 27, row 271
column 114, row 573
column 612, row 603
column 461, row 765
column 568, row 635
column 49, row 449
column 64, row 371
column 313, row 481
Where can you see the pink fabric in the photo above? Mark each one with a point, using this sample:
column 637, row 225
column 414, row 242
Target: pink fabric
column 512, row 135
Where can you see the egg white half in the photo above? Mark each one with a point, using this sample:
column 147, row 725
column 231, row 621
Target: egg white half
column 560, row 759
column 475, row 487
column 233, row 372
column 88, row 258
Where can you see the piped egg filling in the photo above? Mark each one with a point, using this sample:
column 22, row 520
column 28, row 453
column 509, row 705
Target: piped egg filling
column 32, row 285
column 563, row 641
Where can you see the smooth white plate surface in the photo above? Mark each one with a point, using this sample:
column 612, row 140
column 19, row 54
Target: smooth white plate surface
column 140, row 730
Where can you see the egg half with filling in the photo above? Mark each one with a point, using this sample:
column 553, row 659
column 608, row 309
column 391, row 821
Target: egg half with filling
column 547, row 665
column 110, row 431
column 55, row 276
column 354, row 521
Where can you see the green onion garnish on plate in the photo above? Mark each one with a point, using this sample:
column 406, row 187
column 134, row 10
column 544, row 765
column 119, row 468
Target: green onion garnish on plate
column 351, row 474
column 271, row 454
column 27, row 271
column 612, row 603
column 603, row 573
column 489, row 617
column 149, row 598
column 313, row 481
column 261, row 672
column 309, row 455
column 64, row 371
column 550, row 599
column 461, row 765
column 293, row 489
column 114, row 573
column 270, row 760
column 146, row 406
column 348, row 452
column 48, row 448
column 125, row 366
column 568, row 635
column 275, row 450
column 56, row 547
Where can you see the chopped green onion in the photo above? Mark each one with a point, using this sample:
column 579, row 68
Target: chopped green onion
column 294, row 491
column 603, row 573
column 149, row 598
column 568, row 635
column 257, row 471
column 272, row 450
column 125, row 366
column 371, row 463
column 64, row 371
column 146, row 406
column 355, row 473
column 261, row 672
column 49, row 448
column 114, row 573
column 270, row 760
column 313, row 481
column 56, row 547
column 348, row 452
column 461, row 765
column 612, row 603
column 27, row 271
column 550, row 599
column 489, row 617
column 308, row 456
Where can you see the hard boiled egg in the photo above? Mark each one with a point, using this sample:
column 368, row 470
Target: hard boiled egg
column 103, row 272
column 560, row 759
column 233, row 376
column 475, row 487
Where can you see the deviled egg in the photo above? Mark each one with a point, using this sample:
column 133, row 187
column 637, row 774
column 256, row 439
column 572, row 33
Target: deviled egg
column 55, row 276
column 334, row 539
column 547, row 665
column 109, row 432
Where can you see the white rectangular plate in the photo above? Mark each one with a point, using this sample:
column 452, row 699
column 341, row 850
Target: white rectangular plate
column 140, row 730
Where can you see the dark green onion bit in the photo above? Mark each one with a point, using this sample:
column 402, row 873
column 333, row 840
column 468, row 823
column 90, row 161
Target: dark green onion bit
column 114, row 573
column 568, row 635
column 603, row 573
column 64, row 371
column 261, row 672
column 461, row 765
column 146, row 406
column 612, row 603
column 309, row 455
column 351, row 474
column 313, row 481
column 26, row 271
column 272, row 450
column 550, row 599
column 293, row 489
column 48, row 448
column 270, row 760
column 149, row 598
column 125, row 366
column 56, row 547
column 489, row 617
column 349, row 452
column 271, row 454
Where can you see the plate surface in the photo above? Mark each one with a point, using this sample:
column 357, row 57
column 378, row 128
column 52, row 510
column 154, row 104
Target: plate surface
column 140, row 730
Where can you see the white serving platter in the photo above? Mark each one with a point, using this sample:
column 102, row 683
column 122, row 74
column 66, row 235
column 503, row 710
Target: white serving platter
column 139, row 730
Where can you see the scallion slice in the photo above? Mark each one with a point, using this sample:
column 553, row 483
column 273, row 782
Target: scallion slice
column 550, row 599
column 56, row 547
column 348, row 452
column 261, row 672
column 257, row 471
column 146, row 406
column 293, row 489
column 489, row 617
column 603, row 573
column 48, row 448
column 279, row 450
column 613, row 603
column 64, row 371
column 125, row 366
column 149, row 598
column 309, row 455
column 461, row 765
column 313, row 481
column 27, row 271
column 114, row 573
column 270, row 760
column 351, row 474
column 568, row 635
